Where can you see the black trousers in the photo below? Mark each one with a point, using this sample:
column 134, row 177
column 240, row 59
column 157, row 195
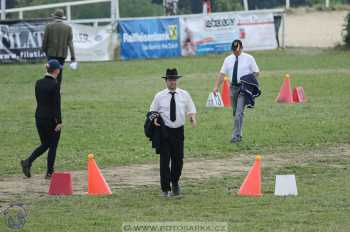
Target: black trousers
column 171, row 158
column 49, row 141
column 61, row 60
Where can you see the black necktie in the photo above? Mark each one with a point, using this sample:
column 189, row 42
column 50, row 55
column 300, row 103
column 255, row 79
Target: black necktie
column 172, row 107
column 234, row 74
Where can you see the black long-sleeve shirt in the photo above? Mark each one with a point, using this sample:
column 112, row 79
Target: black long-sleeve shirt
column 48, row 98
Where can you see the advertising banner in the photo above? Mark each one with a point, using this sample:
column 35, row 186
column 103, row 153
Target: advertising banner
column 21, row 41
column 214, row 33
column 93, row 43
column 149, row 38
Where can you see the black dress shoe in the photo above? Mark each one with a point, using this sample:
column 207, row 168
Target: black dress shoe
column 236, row 140
column 176, row 191
column 25, row 168
column 48, row 176
column 166, row 194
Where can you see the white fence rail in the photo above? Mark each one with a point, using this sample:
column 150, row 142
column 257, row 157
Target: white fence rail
column 67, row 5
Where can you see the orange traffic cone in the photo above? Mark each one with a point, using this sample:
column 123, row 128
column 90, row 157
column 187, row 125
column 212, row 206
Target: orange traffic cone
column 225, row 93
column 252, row 183
column 97, row 184
column 298, row 95
column 285, row 94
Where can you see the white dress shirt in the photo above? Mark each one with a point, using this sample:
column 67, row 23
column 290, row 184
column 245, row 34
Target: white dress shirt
column 246, row 65
column 184, row 106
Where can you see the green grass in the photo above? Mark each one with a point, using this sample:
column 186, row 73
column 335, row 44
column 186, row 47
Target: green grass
column 104, row 105
column 322, row 204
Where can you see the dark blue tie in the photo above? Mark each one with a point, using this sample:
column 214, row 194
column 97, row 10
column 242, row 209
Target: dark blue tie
column 172, row 107
column 234, row 73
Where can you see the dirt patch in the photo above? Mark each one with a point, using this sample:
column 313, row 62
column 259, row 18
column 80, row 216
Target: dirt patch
column 148, row 174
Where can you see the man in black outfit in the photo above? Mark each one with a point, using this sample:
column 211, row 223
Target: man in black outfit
column 173, row 105
column 47, row 117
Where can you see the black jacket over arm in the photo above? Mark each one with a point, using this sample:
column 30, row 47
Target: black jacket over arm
column 48, row 99
column 250, row 88
column 153, row 132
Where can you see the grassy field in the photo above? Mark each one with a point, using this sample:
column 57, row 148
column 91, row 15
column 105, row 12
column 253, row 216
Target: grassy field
column 104, row 106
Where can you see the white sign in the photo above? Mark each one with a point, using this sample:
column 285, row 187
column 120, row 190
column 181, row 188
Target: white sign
column 214, row 100
column 286, row 185
column 93, row 43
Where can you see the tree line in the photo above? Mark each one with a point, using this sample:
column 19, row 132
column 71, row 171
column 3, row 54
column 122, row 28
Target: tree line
column 143, row 8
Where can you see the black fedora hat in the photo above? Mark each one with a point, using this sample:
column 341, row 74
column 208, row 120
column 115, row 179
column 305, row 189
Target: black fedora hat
column 171, row 74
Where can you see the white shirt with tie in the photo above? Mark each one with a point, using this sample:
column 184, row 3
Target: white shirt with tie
column 184, row 106
column 246, row 65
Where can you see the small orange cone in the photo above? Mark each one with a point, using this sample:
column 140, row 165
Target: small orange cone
column 97, row 184
column 285, row 94
column 225, row 93
column 252, row 183
column 298, row 95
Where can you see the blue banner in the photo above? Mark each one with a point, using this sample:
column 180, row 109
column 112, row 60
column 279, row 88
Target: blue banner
column 149, row 38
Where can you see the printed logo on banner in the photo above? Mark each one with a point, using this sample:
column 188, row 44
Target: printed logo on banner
column 21, row 40
column 209, row 34
column 173, row 32
column 149, row 38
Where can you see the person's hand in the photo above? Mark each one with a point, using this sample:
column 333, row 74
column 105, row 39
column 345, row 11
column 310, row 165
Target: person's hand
column 155, row 122
column 193, row 120
column 58, row 127
column 215, row 89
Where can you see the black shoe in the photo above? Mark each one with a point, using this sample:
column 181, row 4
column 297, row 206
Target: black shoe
column 48, row 176
column 176, row 191
column 166, row 194
column 25, row 168
column 236, row 140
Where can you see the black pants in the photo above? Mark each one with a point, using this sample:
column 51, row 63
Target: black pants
column 49, row 141
column 171, row 158
column 61, row 60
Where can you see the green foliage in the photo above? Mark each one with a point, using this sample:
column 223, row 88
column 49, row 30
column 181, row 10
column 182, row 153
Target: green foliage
column 223, row 5
column 139, row 8
column 128, row 8
column 347, row 31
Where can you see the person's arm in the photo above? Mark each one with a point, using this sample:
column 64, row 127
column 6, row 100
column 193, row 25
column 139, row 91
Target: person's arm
column 218, row 82
column 191, row 111
column 57, row 107
column 254, row 68
column 45, row 40
column 71, row 45
column 154, row 107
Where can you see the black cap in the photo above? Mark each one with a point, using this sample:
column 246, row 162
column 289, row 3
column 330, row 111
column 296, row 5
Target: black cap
column 54, row 64
column 236, row 44
column 171, row 74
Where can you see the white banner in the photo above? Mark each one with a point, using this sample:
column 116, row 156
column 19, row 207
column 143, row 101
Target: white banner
column 214, row 33
column 257, row 31
column 93, row 43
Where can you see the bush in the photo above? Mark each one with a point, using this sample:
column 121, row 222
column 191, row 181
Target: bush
column 347, row 31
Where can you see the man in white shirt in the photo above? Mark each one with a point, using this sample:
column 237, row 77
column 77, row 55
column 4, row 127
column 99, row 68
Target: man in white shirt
column 235, row 66
column 173, row 104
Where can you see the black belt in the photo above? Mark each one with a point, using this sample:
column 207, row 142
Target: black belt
column 175, row 129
